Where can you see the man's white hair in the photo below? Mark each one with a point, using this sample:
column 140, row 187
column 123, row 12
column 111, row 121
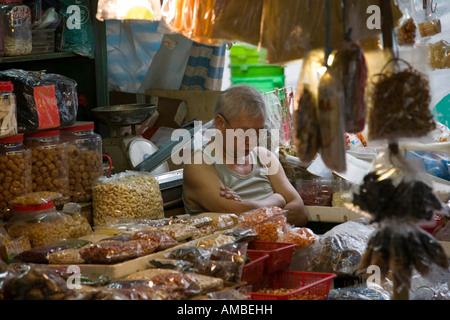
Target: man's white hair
column 240, row 98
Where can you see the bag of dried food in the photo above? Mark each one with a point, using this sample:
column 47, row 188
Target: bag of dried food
column 130, row 194
column 331, row 102
column 44, row 100
column 400, row 102
column 306, row 112
column 267, row 222
column 406, row 32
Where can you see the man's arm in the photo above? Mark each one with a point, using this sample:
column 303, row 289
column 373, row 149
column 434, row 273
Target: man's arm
column 202, row 186
column 296, row 214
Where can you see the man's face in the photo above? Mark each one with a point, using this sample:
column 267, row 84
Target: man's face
column 240, row 134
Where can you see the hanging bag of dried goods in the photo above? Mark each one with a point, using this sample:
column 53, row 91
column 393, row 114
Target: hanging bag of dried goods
column 306, row 118
column 407, row 30
column 396, row 196
column 133, row 195
column 331, row 101
column 400, row 103
column 428, row 20
column 352, row 62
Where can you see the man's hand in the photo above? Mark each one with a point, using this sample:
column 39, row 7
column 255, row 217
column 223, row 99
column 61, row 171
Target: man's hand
column 229, row 194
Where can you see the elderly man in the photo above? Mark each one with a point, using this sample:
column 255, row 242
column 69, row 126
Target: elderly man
column 237, row 175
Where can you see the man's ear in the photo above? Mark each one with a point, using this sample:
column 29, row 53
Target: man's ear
column 219, row 122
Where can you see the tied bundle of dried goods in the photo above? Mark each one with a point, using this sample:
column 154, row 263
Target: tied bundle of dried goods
column 400, row 105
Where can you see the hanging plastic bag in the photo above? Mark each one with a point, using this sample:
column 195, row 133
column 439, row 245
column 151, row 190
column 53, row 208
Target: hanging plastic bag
column 331, row 100
column 406, row 32
column 352, row 63
column 306, row 118
column 400, row 103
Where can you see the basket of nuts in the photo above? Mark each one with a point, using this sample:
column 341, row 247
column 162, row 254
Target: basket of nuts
column 293, row 285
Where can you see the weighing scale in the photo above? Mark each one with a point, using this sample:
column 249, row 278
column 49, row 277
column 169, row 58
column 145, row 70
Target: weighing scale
column 127, row 151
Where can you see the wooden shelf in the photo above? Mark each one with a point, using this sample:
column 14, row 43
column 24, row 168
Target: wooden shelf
column 34, row 57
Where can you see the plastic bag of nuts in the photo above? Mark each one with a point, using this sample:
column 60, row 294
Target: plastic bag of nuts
column 130, row 194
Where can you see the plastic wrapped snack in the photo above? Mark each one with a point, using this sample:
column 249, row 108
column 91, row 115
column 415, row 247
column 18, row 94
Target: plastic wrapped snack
column 266, row 221
column 354, row 78
column 134, row 195
column 306, row 112
column 163, row 240
column 44, row 101
column 66, row 256
column 39, row 254
column 331, row 100
column 110, row 252
column 35, row 282
column 302, row 237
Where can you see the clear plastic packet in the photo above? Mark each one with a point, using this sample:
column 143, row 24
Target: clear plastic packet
column 173, row 264
column 215, row 240
column 177, row 285
column 35, row 282
column 306, row 111
column 180, row 232
column 241, row 293
column 110, row 252
column 39, row 254
column 39, row 108
column 138, row 290
column 162, row 239
column 189, row 253
column 66, row 256
column 340, row 249
column 395, row 187
column 225, row 262
column 428, row 22
column 352, row 64
column 440, row 54
column 399, row 246
column 242, row 234
column 302, row 237
column 406, row 32
column 130, row 194
column 266, row 221
column 331, row 101
column 399, row 102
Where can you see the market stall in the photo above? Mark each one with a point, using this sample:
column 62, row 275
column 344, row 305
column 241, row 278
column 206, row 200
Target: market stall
column 91, row 208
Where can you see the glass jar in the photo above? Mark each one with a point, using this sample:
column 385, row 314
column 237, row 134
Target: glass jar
column 49, row 165
column 15, row 172
column 8, row 107
column 41, row 223
column 85, row 159
column 17, row 21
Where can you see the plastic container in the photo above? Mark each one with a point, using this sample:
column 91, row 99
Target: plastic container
column 43, row 41
column 297, row 286
column 245, row 53
column 253, row 271
column 15, row 172
column 256, row 70
column 8, row 109
column 263, row 84
column 50, row 165
column 17, row 20
column 85, row 159
column 41, row 223
column 316, row 192
column 279, row 254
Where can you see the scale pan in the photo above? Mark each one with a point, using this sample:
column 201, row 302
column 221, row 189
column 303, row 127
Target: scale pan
column 125, row 114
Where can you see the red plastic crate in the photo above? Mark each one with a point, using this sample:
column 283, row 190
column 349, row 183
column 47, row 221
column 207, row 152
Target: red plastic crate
column 254, row 270
column 280, row 254
column 304, row 285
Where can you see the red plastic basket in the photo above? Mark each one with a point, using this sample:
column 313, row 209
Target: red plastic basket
column 302, row 285
column 280, row 254
column 254, row 270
